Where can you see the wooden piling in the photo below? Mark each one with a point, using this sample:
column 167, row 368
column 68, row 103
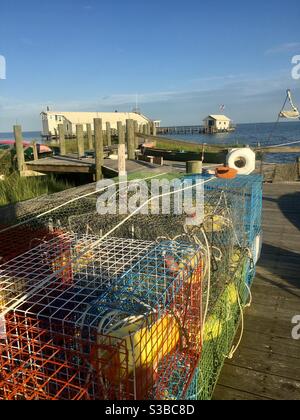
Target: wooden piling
column 121, row 133
column 122, row 160
column 154, row 131
column 62, row 140
column 136, row 131
column 98, row 148
column 194, row 167
column 108, row 134
column 262, row 164
column 80, row 140
column 89, row 135
column 35, row 150
column 19, row 148
column 130, row 137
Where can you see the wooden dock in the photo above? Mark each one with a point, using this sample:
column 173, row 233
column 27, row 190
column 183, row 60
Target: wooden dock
column 180, row 130
column 73, row 165
column 267, row 365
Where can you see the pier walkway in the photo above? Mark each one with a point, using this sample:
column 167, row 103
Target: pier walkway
column 267, row 364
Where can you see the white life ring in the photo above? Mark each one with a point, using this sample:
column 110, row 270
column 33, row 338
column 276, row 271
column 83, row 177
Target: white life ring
column 243, row 160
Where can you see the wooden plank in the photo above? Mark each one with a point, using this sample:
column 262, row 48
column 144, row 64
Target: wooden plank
column 274, row 283
column 270, row 343
column 267, row 364
column 262, row 384
column 61, row 168
column 280, row 302
column 267, row 361
column 284, row 315
column 231, row 393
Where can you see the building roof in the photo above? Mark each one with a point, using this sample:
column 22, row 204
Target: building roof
column 88, row 117
column 218, row 117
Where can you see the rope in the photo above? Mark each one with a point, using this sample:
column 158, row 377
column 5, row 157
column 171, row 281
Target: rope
column 288, row 97
column 235, row 348
column 248, row 305
column 208, row 281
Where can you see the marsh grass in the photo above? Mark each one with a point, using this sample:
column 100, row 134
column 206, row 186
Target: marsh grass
column 15, row 189
column 5, row 162
column 179, row 146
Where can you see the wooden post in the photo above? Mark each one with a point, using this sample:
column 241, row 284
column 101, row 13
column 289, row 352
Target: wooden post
column 122, row 160
column 130, row 139
column 121, row 133
column 80, row 140
column 203, row 152
column 89, row 135
column 262, row 164
column 298, row 166
column 99, row 156
column 194, row 167
column 62, row 140
column 153, row 129
column 108, row 134
column 136, row 131
column 19, row 148
column 35, row 151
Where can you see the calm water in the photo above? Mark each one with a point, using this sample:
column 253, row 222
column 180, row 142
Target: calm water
column 265, row 134
column 29, row 135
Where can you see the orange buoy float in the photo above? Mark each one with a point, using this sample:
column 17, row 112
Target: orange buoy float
column 225, row 172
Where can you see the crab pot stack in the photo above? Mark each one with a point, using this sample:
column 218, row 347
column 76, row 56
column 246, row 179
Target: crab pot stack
column 234, row 213
column 140, row 315
column 119, row 319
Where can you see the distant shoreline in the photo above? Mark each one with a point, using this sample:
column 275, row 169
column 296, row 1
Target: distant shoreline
column 173, row 125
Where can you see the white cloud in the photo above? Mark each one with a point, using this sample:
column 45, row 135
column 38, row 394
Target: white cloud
column 284, row 48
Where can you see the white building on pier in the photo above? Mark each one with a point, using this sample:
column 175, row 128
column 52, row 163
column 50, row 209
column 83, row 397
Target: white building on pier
column 51, row 120
column 217, row 123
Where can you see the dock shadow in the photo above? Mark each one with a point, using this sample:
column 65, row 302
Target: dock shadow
column 280, row 274
column 289, row 205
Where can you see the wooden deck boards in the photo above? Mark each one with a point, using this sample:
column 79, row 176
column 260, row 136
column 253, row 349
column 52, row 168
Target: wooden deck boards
column 73, row 165
column 267, row 364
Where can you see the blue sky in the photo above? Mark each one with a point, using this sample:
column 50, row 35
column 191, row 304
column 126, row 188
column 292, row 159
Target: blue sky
column 183, row 58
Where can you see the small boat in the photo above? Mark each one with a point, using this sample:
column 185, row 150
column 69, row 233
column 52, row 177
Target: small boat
column 10, row 144
column 217, row 156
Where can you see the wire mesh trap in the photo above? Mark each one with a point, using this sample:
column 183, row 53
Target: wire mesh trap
column 99, row 324
column 149, row 312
